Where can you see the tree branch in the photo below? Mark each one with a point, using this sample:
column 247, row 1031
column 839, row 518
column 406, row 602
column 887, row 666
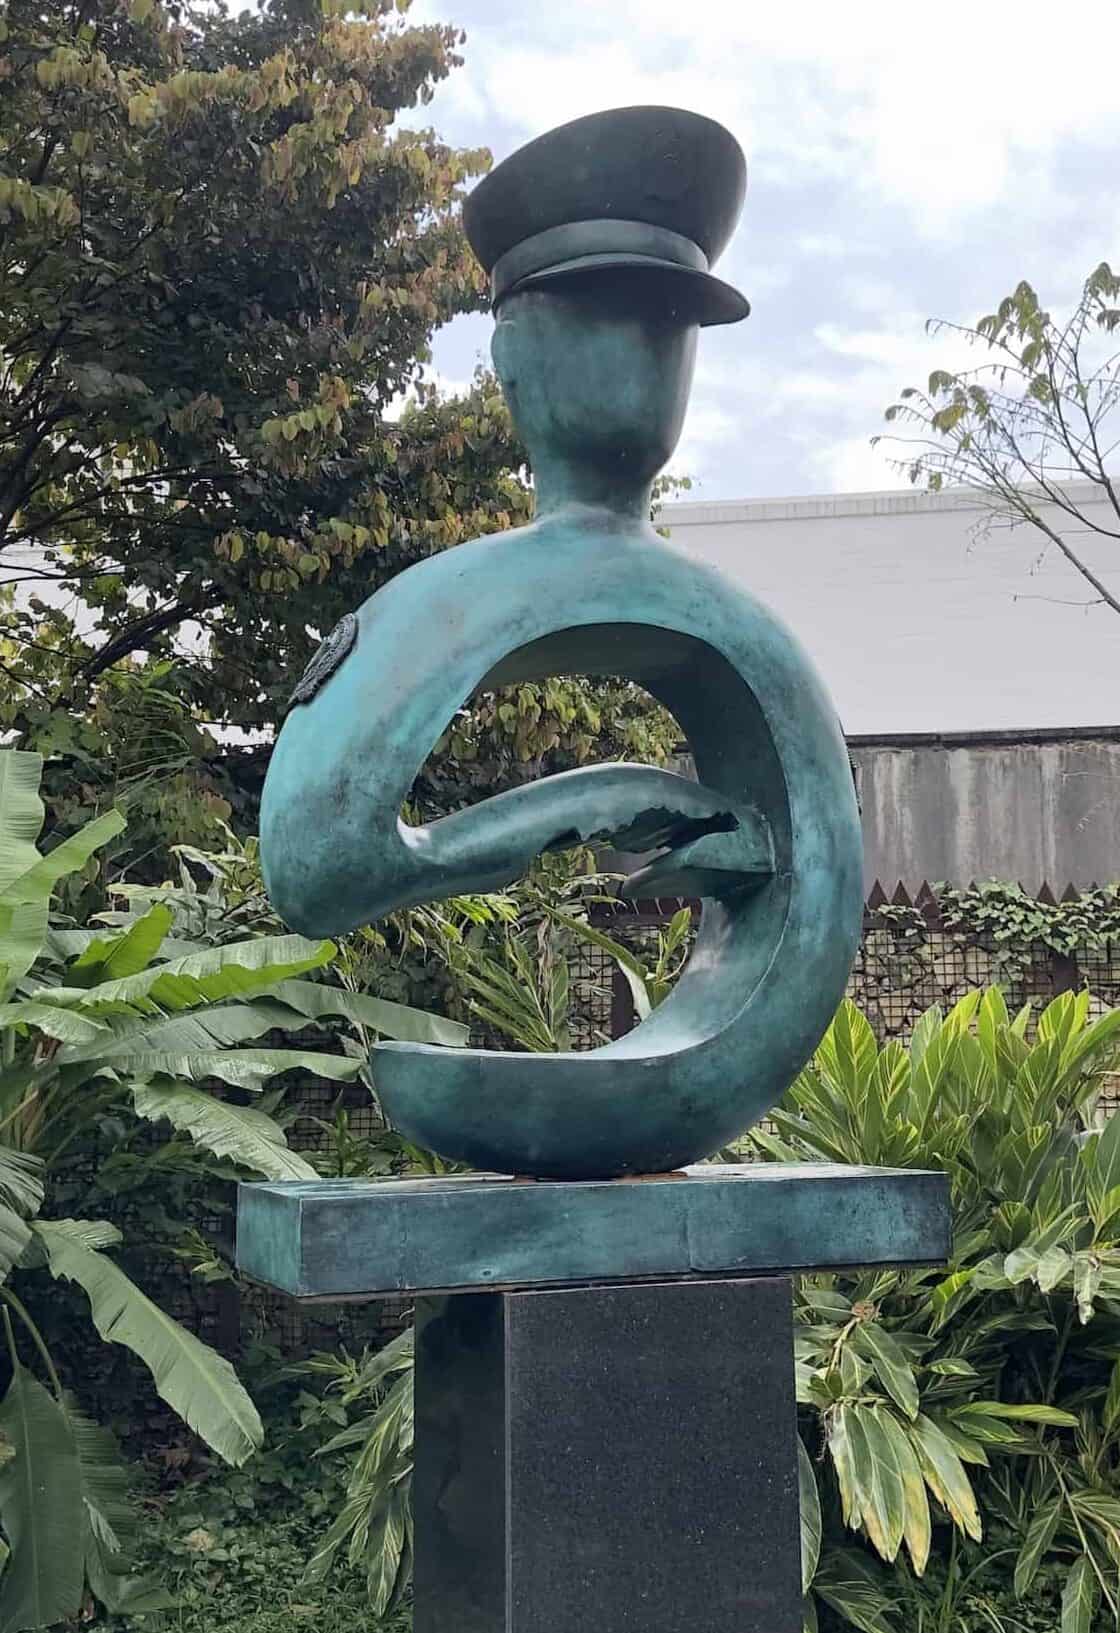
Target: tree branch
column 136, row 636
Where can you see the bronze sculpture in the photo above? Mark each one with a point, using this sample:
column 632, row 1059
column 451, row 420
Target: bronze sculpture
column 598, row 238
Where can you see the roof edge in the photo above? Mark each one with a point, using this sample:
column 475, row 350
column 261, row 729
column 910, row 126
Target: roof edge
column 826, row 506
column 998, row 737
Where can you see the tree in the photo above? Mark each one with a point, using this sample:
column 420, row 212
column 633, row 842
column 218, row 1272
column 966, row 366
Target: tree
column 222, row 260
column 1034, row 417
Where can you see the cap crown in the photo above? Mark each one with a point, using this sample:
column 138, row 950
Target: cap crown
column 663, row 166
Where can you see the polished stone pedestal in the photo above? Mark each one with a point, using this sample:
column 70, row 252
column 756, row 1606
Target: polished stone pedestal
column 607, row 1460
column 605, row 1433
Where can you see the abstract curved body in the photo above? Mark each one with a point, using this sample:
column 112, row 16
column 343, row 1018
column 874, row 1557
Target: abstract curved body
column 768, row 835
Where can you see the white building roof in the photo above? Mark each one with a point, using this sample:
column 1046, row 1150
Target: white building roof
column 916, row 624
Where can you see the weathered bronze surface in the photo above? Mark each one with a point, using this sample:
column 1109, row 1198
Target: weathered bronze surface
column 353, row 1238
column 595, row 345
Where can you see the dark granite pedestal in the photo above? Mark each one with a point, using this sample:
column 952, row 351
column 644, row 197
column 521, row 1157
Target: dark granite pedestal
column 605, row 1427
column 616, row 1459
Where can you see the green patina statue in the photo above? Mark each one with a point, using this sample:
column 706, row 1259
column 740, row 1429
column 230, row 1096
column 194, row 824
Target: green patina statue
column 598, row 238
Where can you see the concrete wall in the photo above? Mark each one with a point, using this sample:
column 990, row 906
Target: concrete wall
column 1032, row 807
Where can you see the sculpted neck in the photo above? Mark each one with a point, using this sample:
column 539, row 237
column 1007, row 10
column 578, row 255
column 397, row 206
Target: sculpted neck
column 564, row 485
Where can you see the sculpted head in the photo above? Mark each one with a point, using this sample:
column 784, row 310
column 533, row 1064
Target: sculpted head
column 596, row 373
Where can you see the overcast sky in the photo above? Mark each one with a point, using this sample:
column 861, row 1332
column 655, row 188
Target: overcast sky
column 904, row 162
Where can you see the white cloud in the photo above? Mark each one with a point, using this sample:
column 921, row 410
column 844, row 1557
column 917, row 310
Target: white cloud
column 945, row 114
column 852, row 465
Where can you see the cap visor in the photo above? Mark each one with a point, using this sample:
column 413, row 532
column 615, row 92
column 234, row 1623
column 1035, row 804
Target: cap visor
column 696, row 297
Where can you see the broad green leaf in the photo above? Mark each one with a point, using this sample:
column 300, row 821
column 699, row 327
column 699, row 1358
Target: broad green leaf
column 23, row 930
column 961, row 1016
column 26, row 891
column 1107, row 1153
column 891, row 1366
column 840, row 1450
column 1086, row 1282
column 945, row 1475
column 916, row 1526
column 127, row 954
column 1103, row 1512
column 810, row 1517
column 1053, row 1268
column 41, row 1507
column 21, row 812
column 21, row 1195
column 61, row 1024
column 878, row 1482
column 951, row 1366
column 1099, row 1039
column 1080, row 1598
column 110, row 1523
column 848, row 1052
column 384, row 1549
column 1040, row 1534
column 314, row 999
column 91, row 1233
column 966, row 1447
column 244, row 1068
column 1111, row 1410
column 925, row 1029
column 230, row 971
column 1028, row 1413
column 948, row 1296
column 193, row 1032
column 930, row 1075
column 193, row 1379
column 15, row 1238
column 37, row 882
column 991, row 1017
column 632, row 969
column 239, row 1134
column 846, row 1582
column 21, row 1180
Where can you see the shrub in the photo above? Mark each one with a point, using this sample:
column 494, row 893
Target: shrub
column 945, row 1410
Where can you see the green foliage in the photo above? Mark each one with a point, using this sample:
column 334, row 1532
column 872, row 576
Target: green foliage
column 116, row 1026
column 374, row 1523
column 223, row 258
column 41, row 1502
column 1016, row 922
column 509, row 956
column 981, row 1398
column 1003, row 916
column 223, row 261
column 1037, row 413
column 232, row 1545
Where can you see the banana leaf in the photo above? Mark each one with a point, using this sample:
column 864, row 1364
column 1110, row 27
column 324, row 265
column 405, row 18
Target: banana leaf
column 193, row 1379
column 110, row 1523
column 313, row 1000
column 108, row 958
column 21, row 813
column 241, row 1134
column 41, row 1507
column 230, row 971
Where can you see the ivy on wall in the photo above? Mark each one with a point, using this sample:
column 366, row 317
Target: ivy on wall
column 1013, row 923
